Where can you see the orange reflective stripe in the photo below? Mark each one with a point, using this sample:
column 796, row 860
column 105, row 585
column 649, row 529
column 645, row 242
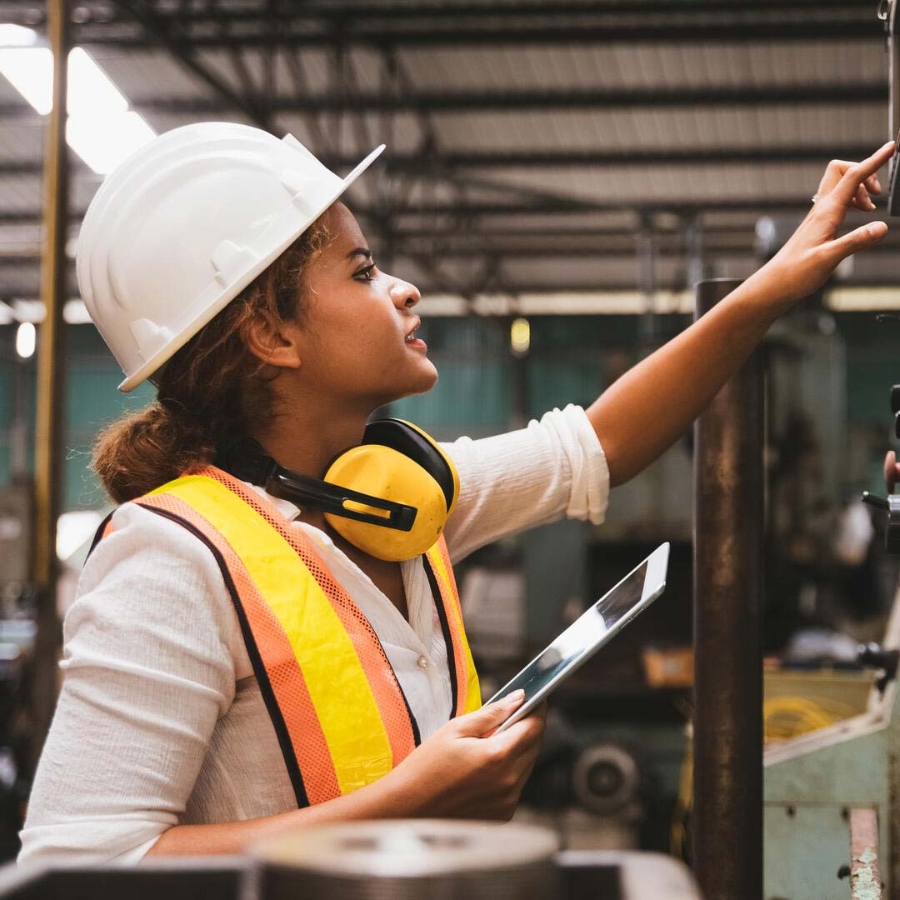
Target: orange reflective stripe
column 473, row 689
column 355, row 702
column 281, row 673
column 395, row 712
column 468, row 690
column 337, row 707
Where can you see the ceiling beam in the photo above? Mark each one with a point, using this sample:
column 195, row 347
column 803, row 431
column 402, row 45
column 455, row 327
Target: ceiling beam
column 504, row 286
column 531, row 100
column 541, row 35
column 680, row 206
column 667, row 245
column 431, row 11
column 182, row 48
column 420, row 164
column 32, row 12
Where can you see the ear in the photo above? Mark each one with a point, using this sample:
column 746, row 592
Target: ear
column 273, row 341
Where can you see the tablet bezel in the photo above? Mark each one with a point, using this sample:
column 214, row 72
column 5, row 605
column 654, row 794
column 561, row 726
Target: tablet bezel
column 654, row 584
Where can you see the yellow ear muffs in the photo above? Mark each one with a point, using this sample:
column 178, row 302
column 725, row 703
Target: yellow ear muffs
column 397, row 462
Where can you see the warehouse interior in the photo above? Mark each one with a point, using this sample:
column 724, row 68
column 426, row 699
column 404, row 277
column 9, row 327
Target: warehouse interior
column 560, row 176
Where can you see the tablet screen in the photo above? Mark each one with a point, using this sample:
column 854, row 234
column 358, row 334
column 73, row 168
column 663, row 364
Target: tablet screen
column 589, row 632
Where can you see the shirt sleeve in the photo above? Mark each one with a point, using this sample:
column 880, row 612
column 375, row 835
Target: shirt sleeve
column 148, row 669
column 553, row 468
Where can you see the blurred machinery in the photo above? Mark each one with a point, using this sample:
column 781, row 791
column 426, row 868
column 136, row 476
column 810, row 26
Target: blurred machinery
column 446, row 860
column 17, row 631
column 832, row 790
column 813, row 783
column 593, row 792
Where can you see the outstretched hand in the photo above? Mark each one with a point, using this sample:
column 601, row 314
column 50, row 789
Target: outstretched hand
column 814, row 250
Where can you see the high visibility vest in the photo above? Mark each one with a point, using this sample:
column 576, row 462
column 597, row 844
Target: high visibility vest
column 339, row 712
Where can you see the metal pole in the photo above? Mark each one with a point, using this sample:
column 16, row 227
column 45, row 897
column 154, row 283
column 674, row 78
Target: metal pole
column 48, row 434
column 728, row 574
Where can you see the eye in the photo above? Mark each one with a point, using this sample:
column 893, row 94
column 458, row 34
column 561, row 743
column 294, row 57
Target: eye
column 365, row 274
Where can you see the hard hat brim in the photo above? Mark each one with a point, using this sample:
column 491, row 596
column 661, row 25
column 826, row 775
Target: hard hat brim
column 157, row 360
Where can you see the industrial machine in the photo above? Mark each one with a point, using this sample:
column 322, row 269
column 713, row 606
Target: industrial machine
column 832, row 797
column 817, row 785
column 449, row 860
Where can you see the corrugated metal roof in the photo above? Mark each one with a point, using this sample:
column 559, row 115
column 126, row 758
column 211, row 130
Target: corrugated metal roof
column 646, row 66
column 462, row 167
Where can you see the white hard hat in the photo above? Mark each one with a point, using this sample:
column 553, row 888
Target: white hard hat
column 185, row 224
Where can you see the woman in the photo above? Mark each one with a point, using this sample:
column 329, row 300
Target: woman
column 219, row 262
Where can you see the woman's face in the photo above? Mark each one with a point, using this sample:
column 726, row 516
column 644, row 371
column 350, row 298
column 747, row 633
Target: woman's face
column 357, row 337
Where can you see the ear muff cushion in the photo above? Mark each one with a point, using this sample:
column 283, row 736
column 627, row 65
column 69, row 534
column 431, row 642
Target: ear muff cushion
column 387, row 473
column 419, row 447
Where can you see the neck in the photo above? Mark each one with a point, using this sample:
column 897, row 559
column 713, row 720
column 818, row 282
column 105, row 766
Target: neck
column 306, row 444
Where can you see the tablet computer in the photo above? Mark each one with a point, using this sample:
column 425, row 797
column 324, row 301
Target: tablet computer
column 588, row 633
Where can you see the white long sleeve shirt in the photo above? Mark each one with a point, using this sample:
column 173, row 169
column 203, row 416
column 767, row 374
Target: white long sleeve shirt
column 160, row 720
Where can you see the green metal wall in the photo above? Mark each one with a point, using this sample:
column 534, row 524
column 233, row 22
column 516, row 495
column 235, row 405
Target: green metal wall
column 481, row 390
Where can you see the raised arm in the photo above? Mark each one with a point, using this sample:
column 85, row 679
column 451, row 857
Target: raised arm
column 648, row 408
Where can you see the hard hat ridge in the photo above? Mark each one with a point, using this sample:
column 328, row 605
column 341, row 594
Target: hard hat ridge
column 185, row 224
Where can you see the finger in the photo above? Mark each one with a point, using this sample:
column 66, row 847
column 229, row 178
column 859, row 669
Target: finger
column 862, row 200
column 873, row 184
column 890, row 471
column 855, row 175
column 521, row 737
column 858, row 239
column 484, row 720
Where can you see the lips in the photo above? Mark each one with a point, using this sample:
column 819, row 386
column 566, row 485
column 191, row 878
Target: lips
column 411, row 334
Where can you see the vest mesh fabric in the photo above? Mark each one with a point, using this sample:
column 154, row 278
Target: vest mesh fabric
column 304, row 743
column 300, row 734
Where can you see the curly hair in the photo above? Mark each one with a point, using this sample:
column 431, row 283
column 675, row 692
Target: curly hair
column 213, row 386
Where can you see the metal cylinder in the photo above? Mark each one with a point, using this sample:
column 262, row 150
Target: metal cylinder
column 408, row 860
column 728, row 577
column 48, row 458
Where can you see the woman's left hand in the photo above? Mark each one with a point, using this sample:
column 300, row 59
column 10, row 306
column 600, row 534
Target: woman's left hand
column 814, row 250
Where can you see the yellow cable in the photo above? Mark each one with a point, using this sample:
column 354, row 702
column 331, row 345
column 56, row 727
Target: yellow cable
column 783, row 718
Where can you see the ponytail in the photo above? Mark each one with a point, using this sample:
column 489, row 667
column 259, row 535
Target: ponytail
column 212, row 387
column 148, row 448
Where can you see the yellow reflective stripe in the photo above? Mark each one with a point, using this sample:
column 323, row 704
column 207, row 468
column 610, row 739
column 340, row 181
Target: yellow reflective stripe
column 473, row 689
column 337, row 684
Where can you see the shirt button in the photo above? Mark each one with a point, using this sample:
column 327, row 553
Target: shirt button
column 422, row 662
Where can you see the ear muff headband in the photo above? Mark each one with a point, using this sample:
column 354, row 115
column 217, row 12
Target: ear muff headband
column 390, row 496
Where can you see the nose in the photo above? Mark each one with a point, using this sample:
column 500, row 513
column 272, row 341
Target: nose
column 404, row 294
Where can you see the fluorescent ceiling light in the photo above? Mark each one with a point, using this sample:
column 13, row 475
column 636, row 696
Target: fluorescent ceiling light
column 17, row 36
column 29, row 311
column 90, row 90
column 442, row 305
column 862, row 299
column 564, row 303
column 26, row 340
column 30, row 72
column 104, row 142
column 100, row 127
column 75, row 313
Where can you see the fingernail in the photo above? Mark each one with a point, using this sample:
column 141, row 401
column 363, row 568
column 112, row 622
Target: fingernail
column 515, row 695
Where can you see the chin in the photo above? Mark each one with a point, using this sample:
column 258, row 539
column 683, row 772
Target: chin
column 421, row 385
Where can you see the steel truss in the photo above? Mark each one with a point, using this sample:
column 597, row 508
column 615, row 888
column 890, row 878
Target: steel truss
column 254, row 40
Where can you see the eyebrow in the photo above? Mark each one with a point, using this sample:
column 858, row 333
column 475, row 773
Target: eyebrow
column 360, row 251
